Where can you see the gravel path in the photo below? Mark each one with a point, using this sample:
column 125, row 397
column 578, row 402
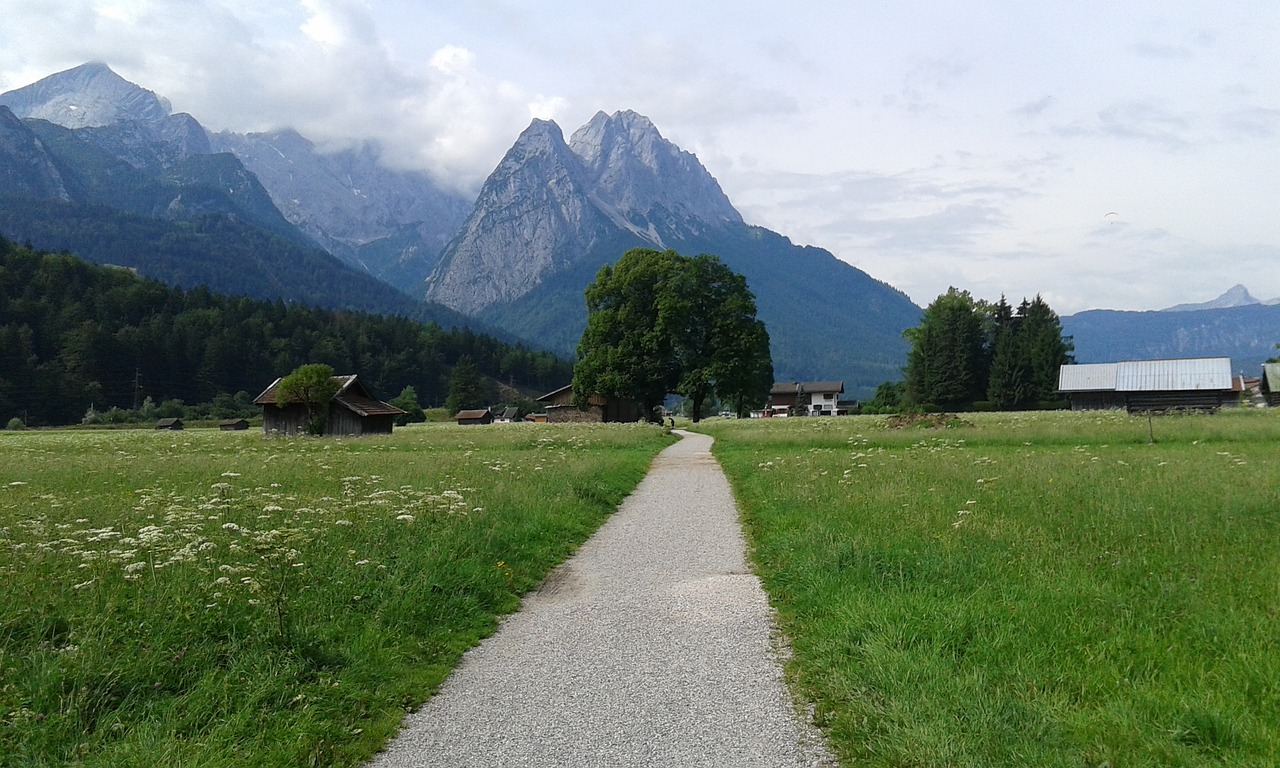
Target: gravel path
column 652, row 646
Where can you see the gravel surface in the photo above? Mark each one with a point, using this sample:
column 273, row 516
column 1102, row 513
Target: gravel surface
column 653, row 645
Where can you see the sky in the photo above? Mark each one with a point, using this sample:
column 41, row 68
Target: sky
column 1121, row 155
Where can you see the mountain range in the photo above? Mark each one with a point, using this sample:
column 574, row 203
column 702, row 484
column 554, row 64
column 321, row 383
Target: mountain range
column 99, row 166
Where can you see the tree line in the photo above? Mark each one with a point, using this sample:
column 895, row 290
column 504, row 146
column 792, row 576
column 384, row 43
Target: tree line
column 74, row 335
column 968, row 353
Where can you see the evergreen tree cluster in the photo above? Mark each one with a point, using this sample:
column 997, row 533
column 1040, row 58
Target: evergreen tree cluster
column 75, row 335
column 966, row 352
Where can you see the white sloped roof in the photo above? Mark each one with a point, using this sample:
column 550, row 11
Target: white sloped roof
column 1197, row 373
column 1090, row 377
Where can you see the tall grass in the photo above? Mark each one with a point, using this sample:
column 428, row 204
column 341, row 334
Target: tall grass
column 210, row 598
column 1047, row 589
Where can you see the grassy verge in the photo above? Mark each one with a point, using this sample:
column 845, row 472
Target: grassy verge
column 219, row 598
column 1045, row 589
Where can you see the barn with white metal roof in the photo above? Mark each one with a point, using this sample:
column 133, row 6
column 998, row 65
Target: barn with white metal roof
column 1199, row 383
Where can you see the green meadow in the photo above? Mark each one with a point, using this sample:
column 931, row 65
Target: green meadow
column 225, row 599
column 1048, row 589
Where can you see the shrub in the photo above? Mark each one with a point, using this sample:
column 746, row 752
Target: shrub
column 16, row 424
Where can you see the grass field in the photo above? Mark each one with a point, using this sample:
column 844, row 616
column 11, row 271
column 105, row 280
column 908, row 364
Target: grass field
column 1048, row 589
column 218, row 598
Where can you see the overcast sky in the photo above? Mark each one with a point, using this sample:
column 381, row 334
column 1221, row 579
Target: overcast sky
column 1119, row 155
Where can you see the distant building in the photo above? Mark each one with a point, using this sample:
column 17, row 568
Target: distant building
column 170, row 424
column 805, row 398
column 1271, row 383
column 474, row 416
column 1201, row 384
column 560, row 408
column 507, row 415
column 233, row 425
column 353, row 411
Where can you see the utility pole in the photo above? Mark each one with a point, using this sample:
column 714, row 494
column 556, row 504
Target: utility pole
column 137, row 387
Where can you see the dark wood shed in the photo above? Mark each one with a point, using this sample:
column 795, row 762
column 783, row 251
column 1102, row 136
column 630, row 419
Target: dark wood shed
column 475, row 416
column 353, row 411
column 1270, row 385
column 233, row 425
column 170, row 424
column 560, row 408
column 1141, row 386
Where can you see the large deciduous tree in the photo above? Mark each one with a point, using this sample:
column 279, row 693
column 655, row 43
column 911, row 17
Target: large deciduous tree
column 660, row 322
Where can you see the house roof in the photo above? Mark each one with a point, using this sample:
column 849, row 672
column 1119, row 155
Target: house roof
column 1175, row 375
column 351, row 395
column 475, row 413
column 799, row 387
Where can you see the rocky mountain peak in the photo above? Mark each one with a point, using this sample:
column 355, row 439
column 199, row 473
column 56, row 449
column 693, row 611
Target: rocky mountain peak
column 1236, row 296
column 642, row 176
column 90, row 95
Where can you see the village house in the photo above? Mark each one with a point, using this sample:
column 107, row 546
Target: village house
column 353, row 411
column 805, row 398
column 1202, row 383
column 560, row 408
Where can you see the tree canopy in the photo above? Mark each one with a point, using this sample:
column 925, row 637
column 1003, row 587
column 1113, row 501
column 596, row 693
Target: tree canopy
column 312, row 385
column 659, row 322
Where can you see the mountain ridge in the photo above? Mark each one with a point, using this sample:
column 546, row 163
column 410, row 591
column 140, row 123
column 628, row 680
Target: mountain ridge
column 553, row 212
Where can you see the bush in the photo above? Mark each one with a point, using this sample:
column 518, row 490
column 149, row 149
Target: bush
column 16, row 424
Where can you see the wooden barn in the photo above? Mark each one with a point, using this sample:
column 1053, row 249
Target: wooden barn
column 233, row 425
column 353, row 411
column 170, row 424
column 560, row 408
column 1191, row 384
column 474, row 416
column 1271, row 383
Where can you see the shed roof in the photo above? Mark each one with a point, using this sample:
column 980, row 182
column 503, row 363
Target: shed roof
column 1197, row 373
column 351, row 395
column 553, row 393
column 1175, row 375
column 1089, row 377
column 475, row 413
column 1271, row 376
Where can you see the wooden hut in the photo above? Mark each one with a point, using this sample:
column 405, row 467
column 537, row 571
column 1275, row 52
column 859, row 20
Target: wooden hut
column 353, row 411
column 475, row 416
column 560, row 408
column 233, row 425
column 170, row 424
column 1270, row 385
column 1199, row 384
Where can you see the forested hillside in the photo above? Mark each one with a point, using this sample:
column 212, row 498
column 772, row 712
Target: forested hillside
column 73, row 334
